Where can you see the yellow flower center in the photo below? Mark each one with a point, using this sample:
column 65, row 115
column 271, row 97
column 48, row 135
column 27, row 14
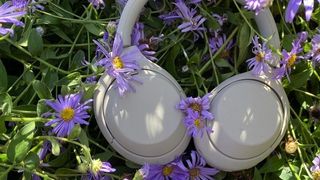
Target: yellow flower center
column 196, row 107
column 259, row 56
column 96, row 166
column 167, row 170
column 292, row 60
column 316, row 175
column 195, row 172
column 198, row 123
column 117, row 63
column 67, row 114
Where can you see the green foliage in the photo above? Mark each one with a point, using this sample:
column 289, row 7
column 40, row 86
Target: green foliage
column 37, row 66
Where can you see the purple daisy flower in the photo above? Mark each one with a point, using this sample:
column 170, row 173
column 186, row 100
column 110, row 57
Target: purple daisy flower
column 138, row 39
column 293, row 7
column 9, row 14
column 119, row 64
column 169, row 17
column 257, row 5
column 191, row 21
column 315, row 169
column 290, row 58
column 196, row 168
column 198, row 104
column 216, row 42
column 97, row 3
column 98, row 169
column 196, row 124
column 163, row 172
column 220, row 19
column 315, row 52
column 20, row 4
column 68, row 112
column 258, row 64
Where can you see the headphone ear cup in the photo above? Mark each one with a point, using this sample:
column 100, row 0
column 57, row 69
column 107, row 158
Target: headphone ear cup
column 143, row 126
column 251, row 118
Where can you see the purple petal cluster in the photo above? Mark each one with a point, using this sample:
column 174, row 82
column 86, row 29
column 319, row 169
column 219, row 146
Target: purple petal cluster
column 180, row 169
column 314, row 54
column 68, row 112
column 315, row 169
column 196, row 167
column 293, row 8
column 9, row 14
column 191, row 21
column 20, row 4
column 263, row 54
column 290, row 58
column 138, row 38
column 98, row 169
column 197, row 113
column 257, row 5
column 163, row 172
column 97, row 3
column 216, row 42
column 119, row 64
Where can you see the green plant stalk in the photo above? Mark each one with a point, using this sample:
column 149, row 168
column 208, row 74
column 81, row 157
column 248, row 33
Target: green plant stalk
column 204, row 68
column 214, row 67
column 25, row 119
column 36, row 58
column 299, row 151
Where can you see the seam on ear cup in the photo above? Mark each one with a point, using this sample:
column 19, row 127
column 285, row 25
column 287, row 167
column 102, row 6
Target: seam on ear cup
column 278, row 134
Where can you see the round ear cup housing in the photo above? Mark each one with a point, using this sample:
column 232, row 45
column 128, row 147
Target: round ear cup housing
column 251, row 117
column 143, row 126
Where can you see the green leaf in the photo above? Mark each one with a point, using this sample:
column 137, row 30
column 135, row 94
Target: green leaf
column 257, row 175
column 171, row 60
column 61, row 160
column 21, row 143
column 6, row 103
column 55, row 146
column 35, row 43
column 3, row 128
column 94, row 29
column 18, row 149
column 105, row 156
column 41, row 89
column 138, row 176
column 28, row 76
column 3, row 174
column 244, row 39
column 27, row 31
column 83, row 138
column 32, row 161
column 27, row 175
column 50, row 79
column 61, row 34
column 3, row 158
column 132, row 165
column 77, row 59
column 273, row 164
column 300, row 79
column 69, row 78
column 75, row 132
column 3, row 78
column 42, row 107
column 286, row 174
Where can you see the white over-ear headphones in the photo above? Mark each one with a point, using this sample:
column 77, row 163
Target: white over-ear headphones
column 251, row 113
